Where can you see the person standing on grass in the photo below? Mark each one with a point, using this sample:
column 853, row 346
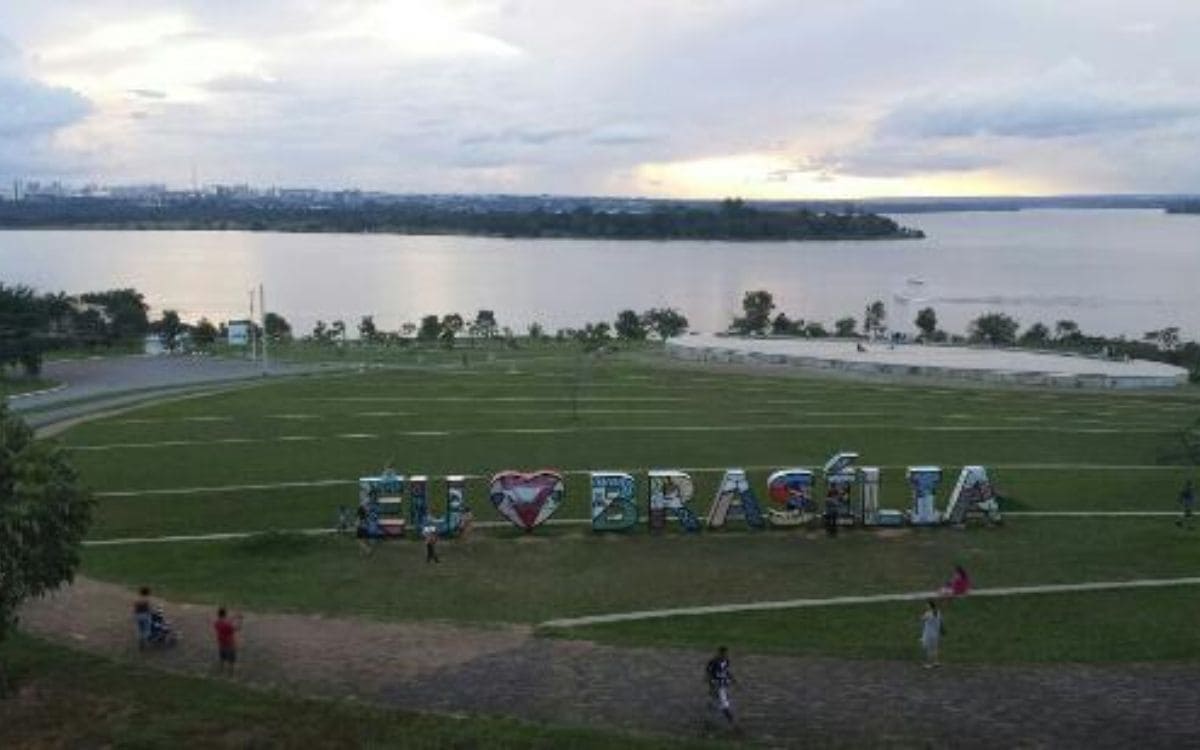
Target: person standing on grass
column 932, row 631
column 362, row 529
column 720, row 677
column 431, row 539
column 141, row 616
column 226, row 630
column 831, row 517
column 1187, row 499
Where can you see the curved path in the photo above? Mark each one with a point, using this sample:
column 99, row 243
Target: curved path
column 781, row 700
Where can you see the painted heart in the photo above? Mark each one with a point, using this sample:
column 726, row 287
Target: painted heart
column 527, row 500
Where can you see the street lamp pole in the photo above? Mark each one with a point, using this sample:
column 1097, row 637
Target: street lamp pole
column 262, row 310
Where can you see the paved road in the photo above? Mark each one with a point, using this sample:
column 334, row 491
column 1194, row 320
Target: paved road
column 101, row 384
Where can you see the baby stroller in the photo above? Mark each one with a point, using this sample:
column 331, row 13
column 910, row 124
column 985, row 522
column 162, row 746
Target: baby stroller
column 161, row 633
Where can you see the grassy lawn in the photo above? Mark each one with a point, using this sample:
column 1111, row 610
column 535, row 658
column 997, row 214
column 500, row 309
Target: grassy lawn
column 160, row 470
column 565, row 572
column 11, row 386
column 66, row 699
column 1102, row 626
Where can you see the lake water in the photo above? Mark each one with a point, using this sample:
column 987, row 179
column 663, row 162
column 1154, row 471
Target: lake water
column 1114, row 272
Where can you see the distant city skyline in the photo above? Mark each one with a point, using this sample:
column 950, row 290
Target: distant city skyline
column 662, row 99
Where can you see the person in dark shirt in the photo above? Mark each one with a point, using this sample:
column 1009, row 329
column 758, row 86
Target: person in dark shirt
column 141, row 616
column 1187, row 499
column 720, row 676
column 430, row 533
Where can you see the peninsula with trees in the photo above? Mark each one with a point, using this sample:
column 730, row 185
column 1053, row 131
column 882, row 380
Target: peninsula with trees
column 488, row 216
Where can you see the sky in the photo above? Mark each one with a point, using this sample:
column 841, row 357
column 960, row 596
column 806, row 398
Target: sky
column 672, row 98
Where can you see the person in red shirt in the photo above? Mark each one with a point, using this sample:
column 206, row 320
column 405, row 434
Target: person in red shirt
column 959, row 584
column 226, row 630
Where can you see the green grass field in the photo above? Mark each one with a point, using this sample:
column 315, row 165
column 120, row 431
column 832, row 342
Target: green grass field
column 66, row 699
column 11, row 386
column 284, row 455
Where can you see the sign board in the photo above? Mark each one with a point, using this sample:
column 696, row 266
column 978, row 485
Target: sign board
column 239, row 333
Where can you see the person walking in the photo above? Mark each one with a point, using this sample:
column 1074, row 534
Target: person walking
column 141, row 616
column 226, row 629
column 932, row 631
column 720, row 677
column 431, row 539
column 1187, row 501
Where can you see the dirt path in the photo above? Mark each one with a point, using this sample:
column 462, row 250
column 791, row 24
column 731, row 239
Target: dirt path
column 782, row 700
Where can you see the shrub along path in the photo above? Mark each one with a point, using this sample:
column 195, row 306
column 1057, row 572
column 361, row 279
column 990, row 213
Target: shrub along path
column 506, row 670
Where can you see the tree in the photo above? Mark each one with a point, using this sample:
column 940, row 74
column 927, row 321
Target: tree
column 169, row 328
column 1035, row 335
column 450, row 326
column 629, row 326
column 44, row 514
column 1166, row 340
column 23, row 327
column 815, row 330
column 1067, row 330
column 666, row 322
column 337, row 331
column 756, row 307
column 407, row 329
column 204, row 333
column 874, row 319
column 996, row 329
column 845, row 327
column 594, row 335
column 277, row 327
column 367, row 330
column 484, row 324
column 126, row 310
column 927, row 323
column 430, row 328
column 536, row 332
column 320, row 333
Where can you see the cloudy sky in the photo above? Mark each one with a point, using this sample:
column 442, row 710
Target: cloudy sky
column 762, row 98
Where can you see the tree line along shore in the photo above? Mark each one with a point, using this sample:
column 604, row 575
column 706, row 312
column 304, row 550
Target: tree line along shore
column 730, row 220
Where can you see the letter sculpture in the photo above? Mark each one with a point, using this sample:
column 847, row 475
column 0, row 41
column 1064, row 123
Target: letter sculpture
column 924, row 481
column 382, row 498
column 670, row 492
column 839, row 482
column 614, row 501
column 735, row 500
column 973, row 493
column 418, row 505
column 527, row 499
column 456, row 506
column 790, row 492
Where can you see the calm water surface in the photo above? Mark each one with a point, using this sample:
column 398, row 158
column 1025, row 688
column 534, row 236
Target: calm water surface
column 1115, row 272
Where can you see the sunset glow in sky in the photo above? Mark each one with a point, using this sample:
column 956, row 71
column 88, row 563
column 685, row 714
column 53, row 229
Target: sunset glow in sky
column 697, row 98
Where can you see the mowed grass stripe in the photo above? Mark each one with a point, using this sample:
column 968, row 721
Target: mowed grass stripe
column 842, row 601
column 642, row 428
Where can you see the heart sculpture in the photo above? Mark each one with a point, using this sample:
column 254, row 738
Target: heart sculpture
column 527, row 500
